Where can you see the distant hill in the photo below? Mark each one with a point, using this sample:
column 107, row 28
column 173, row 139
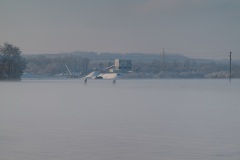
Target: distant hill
column 93, row 56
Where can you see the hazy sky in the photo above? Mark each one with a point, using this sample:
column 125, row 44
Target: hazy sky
column 197, row 27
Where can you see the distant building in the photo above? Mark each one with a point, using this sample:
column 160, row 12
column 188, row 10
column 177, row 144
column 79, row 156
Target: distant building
column 123, row 65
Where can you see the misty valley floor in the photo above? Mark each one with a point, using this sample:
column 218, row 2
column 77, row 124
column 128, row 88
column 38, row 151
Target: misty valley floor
column 132, row 120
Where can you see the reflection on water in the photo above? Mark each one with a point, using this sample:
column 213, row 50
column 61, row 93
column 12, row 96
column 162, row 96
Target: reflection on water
column 132, row 120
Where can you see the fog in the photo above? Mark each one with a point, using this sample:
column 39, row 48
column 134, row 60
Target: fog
column 196, row 28
column 132, row 120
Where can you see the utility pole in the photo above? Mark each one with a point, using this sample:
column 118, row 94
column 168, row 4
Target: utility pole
column 230, row 67
column 161, row 63
column 163, row 59
column 158, row 63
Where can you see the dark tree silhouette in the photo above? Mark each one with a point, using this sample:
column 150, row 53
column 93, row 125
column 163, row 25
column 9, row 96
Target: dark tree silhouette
column 11, row 62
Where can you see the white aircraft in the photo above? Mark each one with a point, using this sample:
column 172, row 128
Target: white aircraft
column 103, row 74
column 111, row 72
column 98, row 75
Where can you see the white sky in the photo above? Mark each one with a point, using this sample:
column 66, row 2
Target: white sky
column 204, row 28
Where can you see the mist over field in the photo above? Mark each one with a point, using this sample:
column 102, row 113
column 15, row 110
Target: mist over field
column 133, row 119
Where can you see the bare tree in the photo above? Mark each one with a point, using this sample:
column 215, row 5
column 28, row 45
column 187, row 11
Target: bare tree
column 11, row 62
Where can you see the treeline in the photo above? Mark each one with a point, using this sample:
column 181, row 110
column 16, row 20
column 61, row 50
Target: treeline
column 52, row 65
column 11, row 62
column 189, row 68
column 170, row 66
